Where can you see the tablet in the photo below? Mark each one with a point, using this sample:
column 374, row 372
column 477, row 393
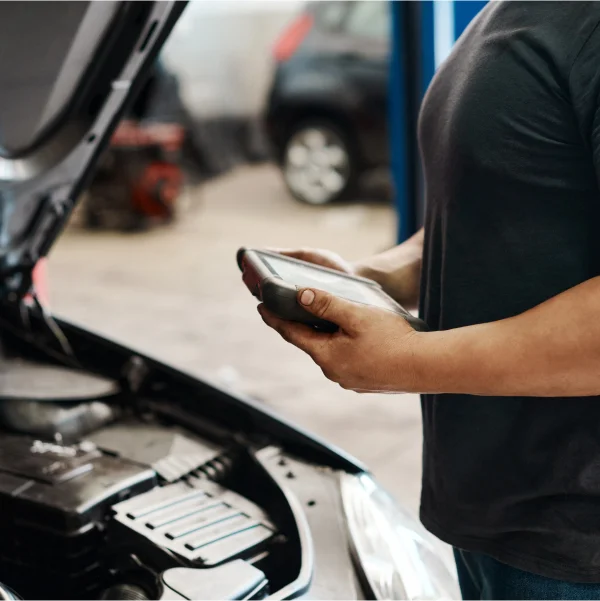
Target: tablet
column 275, row 280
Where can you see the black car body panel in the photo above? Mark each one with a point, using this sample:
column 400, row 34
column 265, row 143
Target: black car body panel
column 222, row 411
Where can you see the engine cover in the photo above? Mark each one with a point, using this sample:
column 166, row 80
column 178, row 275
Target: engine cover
column 54, row 500
column 199, row 521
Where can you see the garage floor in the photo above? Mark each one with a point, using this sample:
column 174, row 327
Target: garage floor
column 176, row 294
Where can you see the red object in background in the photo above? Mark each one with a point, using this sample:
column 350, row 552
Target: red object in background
column 157, row 189
column 167, row 136
column 139, row 179
column 157, row 186
column 292, row 37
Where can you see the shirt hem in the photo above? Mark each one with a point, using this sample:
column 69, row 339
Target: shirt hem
column 521, row 561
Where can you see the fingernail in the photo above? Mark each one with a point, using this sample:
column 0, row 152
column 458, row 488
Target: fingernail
column 307, row 297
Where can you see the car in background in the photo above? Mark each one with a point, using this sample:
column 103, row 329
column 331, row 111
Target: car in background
column 326, row 114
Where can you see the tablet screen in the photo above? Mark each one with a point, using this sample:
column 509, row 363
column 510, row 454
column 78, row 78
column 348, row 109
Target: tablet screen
column 307, row 276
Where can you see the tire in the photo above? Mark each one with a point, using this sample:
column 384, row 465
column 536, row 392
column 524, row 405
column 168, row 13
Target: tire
column 319, row 163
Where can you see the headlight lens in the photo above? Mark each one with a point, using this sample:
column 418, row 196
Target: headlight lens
column 399, row 558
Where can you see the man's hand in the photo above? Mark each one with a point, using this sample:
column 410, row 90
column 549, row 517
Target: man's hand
column 552, row 350
column 397, row 270
column 371, row 352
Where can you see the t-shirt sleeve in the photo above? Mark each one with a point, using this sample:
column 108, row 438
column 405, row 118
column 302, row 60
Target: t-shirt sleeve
column 584, row 83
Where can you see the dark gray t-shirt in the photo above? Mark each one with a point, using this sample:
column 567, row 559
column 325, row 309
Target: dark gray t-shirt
column 510, row 140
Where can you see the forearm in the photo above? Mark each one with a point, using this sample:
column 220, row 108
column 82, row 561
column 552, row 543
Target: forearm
column 398, row 270
column 550, row 350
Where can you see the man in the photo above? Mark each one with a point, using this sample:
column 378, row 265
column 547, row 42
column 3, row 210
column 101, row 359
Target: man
column 509, row 266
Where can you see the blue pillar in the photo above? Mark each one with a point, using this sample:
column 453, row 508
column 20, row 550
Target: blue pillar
column 422, row 36
column 464, row 11
column 398, row 122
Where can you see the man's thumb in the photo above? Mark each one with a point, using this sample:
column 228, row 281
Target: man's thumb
column 329, row 307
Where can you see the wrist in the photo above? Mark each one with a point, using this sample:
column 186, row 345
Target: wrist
column 434, row 362
column 402, row 282
column 466, row 360
column 415, row 373
column 364, row 270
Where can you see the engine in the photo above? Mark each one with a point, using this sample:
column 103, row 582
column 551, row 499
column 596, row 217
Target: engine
column 55, row 503
column 132, row 509
column 78, row 523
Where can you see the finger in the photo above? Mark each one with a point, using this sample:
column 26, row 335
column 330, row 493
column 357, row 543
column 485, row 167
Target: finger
column 347, row 315
column 247, row 278
column 300, row 335
column 268, row 317
column 296, row 253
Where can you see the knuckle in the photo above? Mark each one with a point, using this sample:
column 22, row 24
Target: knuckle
column 322, row 305
column 356, row 324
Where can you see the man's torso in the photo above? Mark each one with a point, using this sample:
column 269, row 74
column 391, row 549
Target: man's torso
column 513, row 218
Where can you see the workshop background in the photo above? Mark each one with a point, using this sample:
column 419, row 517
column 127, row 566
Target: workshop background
column 192, row 174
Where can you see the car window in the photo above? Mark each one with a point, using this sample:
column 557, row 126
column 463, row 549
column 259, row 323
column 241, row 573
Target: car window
column 369, row 19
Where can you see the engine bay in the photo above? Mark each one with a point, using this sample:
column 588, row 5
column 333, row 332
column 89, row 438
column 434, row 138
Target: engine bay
column 103, row 497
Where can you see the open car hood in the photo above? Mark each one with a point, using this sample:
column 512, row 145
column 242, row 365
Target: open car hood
column 67, row 71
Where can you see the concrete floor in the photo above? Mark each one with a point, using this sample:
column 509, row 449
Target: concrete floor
column 175, row 293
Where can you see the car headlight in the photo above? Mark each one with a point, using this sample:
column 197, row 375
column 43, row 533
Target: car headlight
column 398, row 558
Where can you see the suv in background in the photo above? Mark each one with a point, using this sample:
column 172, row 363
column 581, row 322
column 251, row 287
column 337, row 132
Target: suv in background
column 326, row 113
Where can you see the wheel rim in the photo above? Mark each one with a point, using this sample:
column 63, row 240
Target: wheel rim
column 317, row 165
